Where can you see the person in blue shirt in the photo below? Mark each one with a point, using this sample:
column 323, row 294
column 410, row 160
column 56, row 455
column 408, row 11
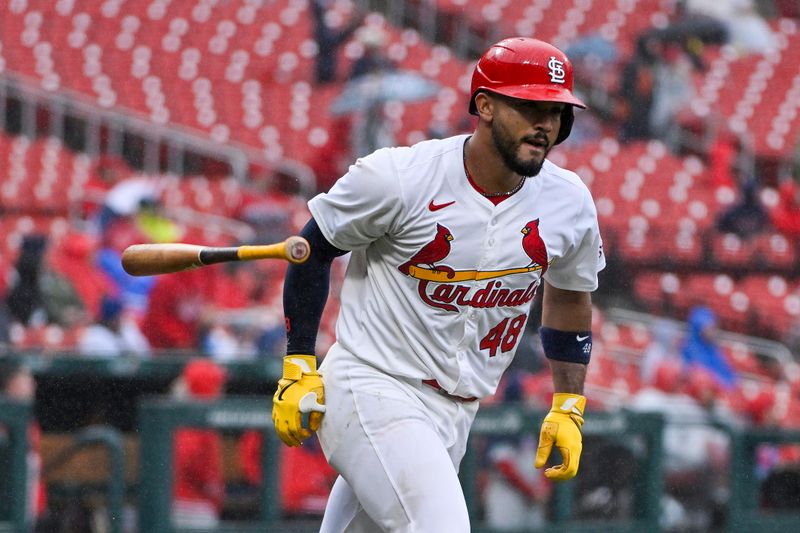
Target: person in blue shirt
column 701, row 346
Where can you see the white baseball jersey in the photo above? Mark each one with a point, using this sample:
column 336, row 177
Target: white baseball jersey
column 440, row 281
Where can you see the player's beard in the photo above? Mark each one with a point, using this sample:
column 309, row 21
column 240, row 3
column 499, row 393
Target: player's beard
column 508, row 147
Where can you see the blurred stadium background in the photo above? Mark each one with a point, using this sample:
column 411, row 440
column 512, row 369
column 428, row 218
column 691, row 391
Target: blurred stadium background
column 213, row 121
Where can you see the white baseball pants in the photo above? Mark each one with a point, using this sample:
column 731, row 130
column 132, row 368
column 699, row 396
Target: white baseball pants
column 397, row 445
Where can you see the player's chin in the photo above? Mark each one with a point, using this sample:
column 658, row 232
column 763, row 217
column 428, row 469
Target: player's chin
column 530, row 164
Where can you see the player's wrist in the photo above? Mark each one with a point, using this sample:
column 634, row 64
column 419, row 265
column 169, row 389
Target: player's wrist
column 295, row 366
column 568, row 403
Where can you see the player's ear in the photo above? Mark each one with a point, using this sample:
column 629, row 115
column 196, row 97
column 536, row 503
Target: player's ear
column 484, row 104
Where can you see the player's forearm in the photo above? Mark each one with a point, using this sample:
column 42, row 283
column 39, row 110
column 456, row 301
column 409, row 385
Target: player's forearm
column 305, row 291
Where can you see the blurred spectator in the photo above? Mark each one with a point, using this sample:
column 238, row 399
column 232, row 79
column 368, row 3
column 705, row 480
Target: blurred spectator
column 246, row 320
column 673, row 92
column 133, row 290
column 760, row 409
column 723, row 157
column 371, row 131
column 108, row 171
column 179, row 311
column 747, row 217
column 637, row 84
column 306, row 478
column 696, row 454
column 154, row 223
column 113, row 334
column 370, row 128
column 38, row 295
column 692, row 31
column 785, row 216
column 329, row 36
column 656, row 86
column 269, row 202
column 373, row 59
column 199, row 487
column 17, row 383
column 662, row 349
column 221, row 311
column 701, row 346
column 133, row 198
column 74, row 259
column 747, row 30
column 125, row 197
column 516, row 495
column 333, row 158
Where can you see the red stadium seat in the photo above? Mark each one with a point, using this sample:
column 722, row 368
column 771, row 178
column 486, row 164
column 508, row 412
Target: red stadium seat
column 730, row 251
column 774, row 251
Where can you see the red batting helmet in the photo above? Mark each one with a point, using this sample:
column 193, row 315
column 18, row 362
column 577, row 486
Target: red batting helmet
column 528, row 69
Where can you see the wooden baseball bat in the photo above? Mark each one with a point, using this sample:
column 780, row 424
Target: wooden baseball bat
column 165, row 258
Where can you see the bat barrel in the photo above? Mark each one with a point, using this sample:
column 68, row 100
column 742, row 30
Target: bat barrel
column 151, row 259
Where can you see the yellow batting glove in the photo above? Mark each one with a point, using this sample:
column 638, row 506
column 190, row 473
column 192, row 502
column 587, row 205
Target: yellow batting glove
column 300, row 391
column 562, row 427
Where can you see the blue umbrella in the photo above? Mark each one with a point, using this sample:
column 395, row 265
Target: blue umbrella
column 387, row 86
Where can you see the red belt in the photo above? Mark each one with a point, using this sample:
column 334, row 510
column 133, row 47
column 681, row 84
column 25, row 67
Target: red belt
column 435, row 384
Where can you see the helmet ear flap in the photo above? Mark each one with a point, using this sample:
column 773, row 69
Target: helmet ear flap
column 567, row 119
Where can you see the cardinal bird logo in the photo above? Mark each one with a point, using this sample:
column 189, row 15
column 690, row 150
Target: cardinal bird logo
column 533, row 245
column 431, row 253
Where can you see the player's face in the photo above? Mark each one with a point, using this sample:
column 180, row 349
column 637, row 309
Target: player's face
column 524, row 131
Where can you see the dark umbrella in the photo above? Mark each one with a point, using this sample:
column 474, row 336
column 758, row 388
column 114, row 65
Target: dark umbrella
column 707, row 30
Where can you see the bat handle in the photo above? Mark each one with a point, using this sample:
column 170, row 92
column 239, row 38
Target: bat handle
column 294, row 249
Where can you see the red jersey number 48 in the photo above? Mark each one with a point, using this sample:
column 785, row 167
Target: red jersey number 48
column 504, row 335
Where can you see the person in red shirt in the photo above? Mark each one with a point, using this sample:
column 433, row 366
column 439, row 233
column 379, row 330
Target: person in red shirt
column 786, row 215
column 306, row 478
column 199, row 485
column 74, row 259
column 178, row 310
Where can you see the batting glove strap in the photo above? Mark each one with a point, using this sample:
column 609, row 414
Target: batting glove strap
column 562, row 428
column 299, row 401
column 294, row 366
column 571, row 404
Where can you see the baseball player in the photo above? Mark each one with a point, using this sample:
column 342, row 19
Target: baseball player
column 449, row 240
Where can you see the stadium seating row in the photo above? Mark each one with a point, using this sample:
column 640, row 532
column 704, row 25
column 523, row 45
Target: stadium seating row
column 767, row 305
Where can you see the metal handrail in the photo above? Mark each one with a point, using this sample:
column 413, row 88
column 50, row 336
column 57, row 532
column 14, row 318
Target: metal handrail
column 759, row 345
column 239, row 155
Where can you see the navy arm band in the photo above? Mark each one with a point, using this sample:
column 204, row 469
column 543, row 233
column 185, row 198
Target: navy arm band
column 305, row 291
column 568, row 346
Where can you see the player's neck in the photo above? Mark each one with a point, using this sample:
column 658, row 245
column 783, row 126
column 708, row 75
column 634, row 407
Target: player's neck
column 486, row 168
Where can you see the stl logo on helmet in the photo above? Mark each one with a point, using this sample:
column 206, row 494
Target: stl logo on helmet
column 557, row 72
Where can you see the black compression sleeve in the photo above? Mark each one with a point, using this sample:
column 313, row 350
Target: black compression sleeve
column 305, row 291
